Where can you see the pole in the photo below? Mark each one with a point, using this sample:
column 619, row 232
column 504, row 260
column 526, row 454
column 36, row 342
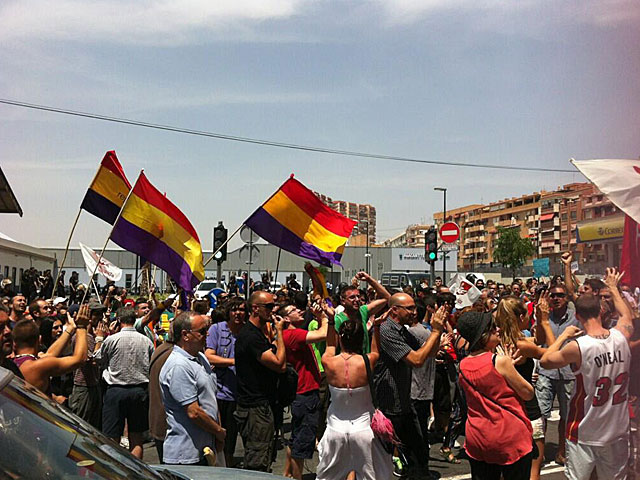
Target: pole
column 444, row 254
column 137, row 265
column 219, row 274
column 222, row 246
column 248, row 282
column 104, row 247
column 367, row 263
column 432, row 274
column 275, row 279
column 96, row 288
column 64, row 257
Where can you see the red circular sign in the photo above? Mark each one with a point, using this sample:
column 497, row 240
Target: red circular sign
column 449, row 232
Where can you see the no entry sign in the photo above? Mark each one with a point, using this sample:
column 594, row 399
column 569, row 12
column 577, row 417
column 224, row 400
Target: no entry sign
column 449, row 232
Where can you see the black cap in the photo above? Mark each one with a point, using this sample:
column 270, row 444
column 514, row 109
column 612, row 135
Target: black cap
column 472, row 325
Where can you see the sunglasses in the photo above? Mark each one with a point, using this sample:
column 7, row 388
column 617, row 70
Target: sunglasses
column 410, row 308
column 56, row 327
column 558, row 295
column 268, row 306
column 202, row 331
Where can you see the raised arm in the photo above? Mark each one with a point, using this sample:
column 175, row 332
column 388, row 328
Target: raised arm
column 276, row 361
column 57, row 347
column 625, row 317
column 381, row 292
column 415, row 358
column 320, row 334
column 558, row 356
column 567, row 258
column 505, row 365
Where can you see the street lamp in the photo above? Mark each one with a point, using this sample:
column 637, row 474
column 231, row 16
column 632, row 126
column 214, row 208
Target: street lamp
column 444, row 219
column 367, row 255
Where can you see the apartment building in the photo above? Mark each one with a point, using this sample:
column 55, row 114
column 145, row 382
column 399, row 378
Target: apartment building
column 362, row 213
column 413, row 236
column 570, row 217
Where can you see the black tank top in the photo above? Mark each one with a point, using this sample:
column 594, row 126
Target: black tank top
column 531, row 406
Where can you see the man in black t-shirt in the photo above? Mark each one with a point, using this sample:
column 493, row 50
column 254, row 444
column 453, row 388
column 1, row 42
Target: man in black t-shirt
column 257, row 366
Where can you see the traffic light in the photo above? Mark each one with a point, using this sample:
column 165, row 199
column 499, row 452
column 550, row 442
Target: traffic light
column 219, row 237
column 431, row 245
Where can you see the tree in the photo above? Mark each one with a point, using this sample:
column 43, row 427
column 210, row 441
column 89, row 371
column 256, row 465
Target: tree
column 511, row 250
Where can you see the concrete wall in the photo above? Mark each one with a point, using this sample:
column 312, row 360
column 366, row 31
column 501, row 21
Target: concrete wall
column 16, row 257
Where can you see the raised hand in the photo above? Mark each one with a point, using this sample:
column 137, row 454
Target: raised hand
column 542, row 307
column 612, row 278
column 572, row 332
column 438, row 319
column 84, row 316
column 511, row 352
column 567, row 258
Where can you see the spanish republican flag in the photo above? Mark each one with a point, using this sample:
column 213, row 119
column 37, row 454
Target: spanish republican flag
column 295, row 220
column 153, row 227
column 108, row 190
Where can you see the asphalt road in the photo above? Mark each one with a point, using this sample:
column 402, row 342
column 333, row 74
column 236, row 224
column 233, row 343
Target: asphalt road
column 447, row 471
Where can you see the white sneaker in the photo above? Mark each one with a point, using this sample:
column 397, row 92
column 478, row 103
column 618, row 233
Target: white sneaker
column 124, row 442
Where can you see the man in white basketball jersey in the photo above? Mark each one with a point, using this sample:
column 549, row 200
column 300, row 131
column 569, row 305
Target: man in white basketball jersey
column 598, row 421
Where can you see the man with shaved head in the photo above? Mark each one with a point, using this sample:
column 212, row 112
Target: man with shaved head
column 258, row 363
column 400, row 352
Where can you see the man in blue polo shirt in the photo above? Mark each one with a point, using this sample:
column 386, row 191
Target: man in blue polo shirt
column 189, row 395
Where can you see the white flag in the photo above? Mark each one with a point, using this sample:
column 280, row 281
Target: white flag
column 466, row 292
column 619, row 180
column 106, row 268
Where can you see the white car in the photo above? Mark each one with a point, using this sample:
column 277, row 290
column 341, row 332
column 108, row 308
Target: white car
column 206, row 286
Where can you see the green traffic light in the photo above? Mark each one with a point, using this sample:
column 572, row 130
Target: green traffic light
column 432, row 256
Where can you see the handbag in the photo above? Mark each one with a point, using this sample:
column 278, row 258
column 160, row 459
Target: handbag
column 534, row 450
column 380, row 425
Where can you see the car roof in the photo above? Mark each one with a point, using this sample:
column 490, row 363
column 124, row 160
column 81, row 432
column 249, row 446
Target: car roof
column 208, row 473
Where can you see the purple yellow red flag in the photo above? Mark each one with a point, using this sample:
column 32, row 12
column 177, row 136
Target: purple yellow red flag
column 108, row 190
column 295, row 220
column 154, row 228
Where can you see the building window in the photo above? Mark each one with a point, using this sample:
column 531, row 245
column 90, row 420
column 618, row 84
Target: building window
column 6, row 271
column 14, row 271
column 128, row 281
column 574, row 214
column 588, row 214
column 563, row 217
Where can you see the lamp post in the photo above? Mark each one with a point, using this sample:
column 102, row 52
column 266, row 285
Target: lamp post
column 367, row 255
column 444, row 219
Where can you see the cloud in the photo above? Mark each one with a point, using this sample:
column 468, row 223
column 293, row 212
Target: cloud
column 147, row 22
column 531, row 13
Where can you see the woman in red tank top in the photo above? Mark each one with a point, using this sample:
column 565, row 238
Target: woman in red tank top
column 498, row 432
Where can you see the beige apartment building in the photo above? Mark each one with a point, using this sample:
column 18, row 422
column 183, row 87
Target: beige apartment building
column 362, row 213
column 576, row 216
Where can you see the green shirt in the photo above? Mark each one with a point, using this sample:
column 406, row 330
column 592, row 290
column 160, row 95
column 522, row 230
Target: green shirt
column 318, row 347
column 364, row 314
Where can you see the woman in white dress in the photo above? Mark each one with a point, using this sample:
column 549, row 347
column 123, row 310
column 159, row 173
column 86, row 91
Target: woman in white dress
column 348, row 444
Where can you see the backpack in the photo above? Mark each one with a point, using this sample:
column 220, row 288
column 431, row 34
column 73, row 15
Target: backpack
column 287, row 386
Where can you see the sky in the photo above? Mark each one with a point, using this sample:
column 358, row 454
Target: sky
column 518, row 83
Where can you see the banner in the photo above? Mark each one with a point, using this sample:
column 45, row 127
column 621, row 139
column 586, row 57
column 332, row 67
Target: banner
column 541, row 267
column 466, row 292
column 605, row 228
column 107, row 269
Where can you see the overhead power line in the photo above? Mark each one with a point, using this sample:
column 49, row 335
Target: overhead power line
column 271, row 143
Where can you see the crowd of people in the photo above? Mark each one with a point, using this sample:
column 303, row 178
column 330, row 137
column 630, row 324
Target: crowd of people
column 371, row 377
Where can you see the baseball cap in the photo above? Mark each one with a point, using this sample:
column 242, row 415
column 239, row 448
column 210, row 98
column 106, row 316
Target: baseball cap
column 58, row 301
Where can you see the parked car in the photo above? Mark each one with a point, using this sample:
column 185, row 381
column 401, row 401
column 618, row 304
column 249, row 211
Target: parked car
column 42, row 440
column 206, row 286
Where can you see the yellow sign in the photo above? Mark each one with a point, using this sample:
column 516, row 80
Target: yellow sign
column 604, row 228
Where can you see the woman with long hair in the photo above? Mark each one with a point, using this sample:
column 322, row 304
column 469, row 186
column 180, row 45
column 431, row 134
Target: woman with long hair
column 498, row 432
column 512, row 318
column 348, row 443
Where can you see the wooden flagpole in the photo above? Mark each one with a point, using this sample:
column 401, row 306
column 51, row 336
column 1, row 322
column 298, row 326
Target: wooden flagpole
column 64, row 257
column 109, row 236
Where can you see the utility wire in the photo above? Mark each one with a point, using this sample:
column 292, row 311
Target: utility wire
column 270, row 143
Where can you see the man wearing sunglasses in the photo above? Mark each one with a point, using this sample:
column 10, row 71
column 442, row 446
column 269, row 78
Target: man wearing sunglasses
column 258, row 363
column 557, row 381
column 189, row 395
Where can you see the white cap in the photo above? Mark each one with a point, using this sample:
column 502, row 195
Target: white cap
column 58, row 300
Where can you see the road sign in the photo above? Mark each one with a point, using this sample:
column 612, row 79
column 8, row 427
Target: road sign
column 449, row 247
column 449, row 232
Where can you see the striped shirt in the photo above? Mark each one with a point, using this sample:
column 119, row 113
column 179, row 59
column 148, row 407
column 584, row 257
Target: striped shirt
column 126, row 356
column 392, row 376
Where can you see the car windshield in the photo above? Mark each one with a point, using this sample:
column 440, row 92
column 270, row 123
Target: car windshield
column 207, row 286
column 39, row 439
